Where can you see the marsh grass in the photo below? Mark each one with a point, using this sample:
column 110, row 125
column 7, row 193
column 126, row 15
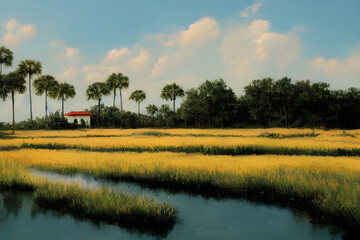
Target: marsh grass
column 326, row 187
column 281, row 136
column 105, row 205
column 125, row 210
column 208, row 150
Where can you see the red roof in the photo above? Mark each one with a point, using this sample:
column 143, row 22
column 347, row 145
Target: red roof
column 77, row 114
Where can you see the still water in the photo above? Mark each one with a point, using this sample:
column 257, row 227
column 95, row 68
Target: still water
column 199, row 218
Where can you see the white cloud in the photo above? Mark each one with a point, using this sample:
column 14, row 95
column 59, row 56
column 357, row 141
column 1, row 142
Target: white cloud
column 335, row 71
column 17, row 32
column 159, row 66
column 250, row 51
column 57, row 43
column 253, row 8
column 115, row 54
column 61, row 51
column 139, row 62
column 71, row 52
column 69, row 72
column 11, row 25
column 200, row 32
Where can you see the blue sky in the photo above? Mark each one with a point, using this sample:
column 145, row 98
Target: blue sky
column 160, row 42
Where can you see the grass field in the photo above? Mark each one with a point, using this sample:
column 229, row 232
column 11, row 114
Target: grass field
column 326, row 186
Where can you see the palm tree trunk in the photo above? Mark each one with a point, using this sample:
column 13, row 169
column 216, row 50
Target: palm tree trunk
column 139, row 108
column 13, row 111
column 46, row 117
column 62, row 104
column 46, row 107
column 0, row 69
column 121, row 105
column 114, row 97
column 99, row 113
column 174, row 105
column 31, row 117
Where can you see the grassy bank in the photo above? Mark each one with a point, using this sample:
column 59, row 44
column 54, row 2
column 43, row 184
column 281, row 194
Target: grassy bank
column 208, row 150
column 123, row 209
column 190, row 131
column 326, row 187
column 131, row 212
column 149, row 142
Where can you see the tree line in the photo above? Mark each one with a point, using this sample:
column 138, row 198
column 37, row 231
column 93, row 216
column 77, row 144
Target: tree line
column 265, row 102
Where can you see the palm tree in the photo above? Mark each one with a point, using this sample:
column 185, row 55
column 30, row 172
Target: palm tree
column 152, row 109
column 30, row 67
column 138, row 96
column 113, row 84
column 119, row 81
column 6, row 57
column 171, row 91
column 123, row 83
column 3, row 90
column 64, row 91
column 14, row 83
column 95, row 91
column 46, row 84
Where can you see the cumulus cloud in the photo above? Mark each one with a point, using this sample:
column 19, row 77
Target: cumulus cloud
column 159, row 66
column 253, row 8
column 61, row 51
column 252, row 50
column 336, row 71
column 17, row 32
column 115, row 54
column 69, row 72
column 71, row 52
column 200, row 32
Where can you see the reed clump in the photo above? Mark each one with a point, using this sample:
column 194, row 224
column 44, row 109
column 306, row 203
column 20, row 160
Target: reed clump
column 105, row 205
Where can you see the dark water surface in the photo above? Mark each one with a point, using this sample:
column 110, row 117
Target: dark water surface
column 199, row 218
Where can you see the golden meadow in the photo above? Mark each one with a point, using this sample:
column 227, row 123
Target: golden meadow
column 325, row 186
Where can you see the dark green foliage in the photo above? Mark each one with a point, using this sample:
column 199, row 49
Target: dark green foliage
column 279, row 136
column 212, row 104
column 303, row 104
column 209, row 150
column 57, row 121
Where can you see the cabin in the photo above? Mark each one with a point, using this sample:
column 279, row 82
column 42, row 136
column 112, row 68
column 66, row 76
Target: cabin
column 75, row 117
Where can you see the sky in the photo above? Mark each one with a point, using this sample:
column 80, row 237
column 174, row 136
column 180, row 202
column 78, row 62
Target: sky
column 186, row 42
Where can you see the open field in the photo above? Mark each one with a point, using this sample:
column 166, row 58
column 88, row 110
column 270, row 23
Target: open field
column 326, row 187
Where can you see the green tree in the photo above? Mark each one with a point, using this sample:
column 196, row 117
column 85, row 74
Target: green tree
column 152, row 109
column 260, row 94
column 46, row 84
column 95, row 92
column 64, row 91
column 138, row 96
column 14, row 83
column 6, row 57
column 113, row 84
column 283, row 99
column 117, row 81
column 212, row 104
column 3, row 91
column 170, row 92
column 123, row 83
column 29, row 68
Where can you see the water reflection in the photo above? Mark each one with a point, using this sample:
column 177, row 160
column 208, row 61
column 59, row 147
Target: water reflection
column 209, row 218
column 21, row 218
column 10, row 204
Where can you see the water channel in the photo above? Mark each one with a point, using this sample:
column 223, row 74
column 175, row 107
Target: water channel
column 199, row 218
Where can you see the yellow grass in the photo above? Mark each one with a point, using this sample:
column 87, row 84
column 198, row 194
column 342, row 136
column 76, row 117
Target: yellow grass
column 229, row 132
column 125, row 162
column 151, row 141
